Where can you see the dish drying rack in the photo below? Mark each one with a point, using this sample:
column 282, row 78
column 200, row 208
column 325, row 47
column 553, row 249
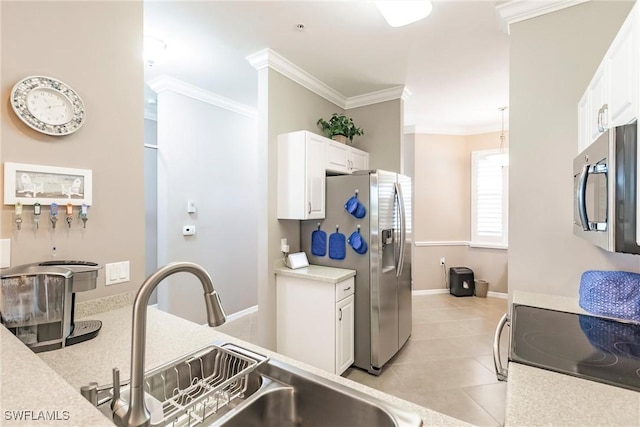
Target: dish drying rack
column 193, row 388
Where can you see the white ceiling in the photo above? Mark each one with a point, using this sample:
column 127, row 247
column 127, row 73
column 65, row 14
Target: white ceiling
column 454, row 63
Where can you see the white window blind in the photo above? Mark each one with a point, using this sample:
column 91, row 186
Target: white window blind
column 489, row 204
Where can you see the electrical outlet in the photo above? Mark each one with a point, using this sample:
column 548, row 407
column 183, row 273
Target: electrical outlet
column 442, row 261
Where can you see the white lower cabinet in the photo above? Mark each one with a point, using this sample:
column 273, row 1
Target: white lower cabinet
column 315, row 321
column 344, row 334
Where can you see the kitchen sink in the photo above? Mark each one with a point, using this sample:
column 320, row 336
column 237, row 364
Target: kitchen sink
column 227, row 385
column 291, row 397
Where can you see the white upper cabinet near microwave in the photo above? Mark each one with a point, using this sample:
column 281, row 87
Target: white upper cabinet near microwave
column 612, row 97
column 301, row 176
column 342, row 158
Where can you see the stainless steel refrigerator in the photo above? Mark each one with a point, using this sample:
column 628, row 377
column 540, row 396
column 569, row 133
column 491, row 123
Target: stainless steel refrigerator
column 383, row 278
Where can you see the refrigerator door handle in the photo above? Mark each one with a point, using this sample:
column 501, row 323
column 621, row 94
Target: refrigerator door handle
column 403, row 231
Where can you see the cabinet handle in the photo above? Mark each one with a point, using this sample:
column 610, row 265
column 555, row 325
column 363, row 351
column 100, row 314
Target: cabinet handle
column 602, row 125
column 340, row 316
column 346, row 289
column 605, row 122
column 309, row 208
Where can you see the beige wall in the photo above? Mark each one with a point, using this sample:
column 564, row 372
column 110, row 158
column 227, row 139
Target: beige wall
column 95, row 48
column 442, row 216
column 382, row 124
column 552, row 59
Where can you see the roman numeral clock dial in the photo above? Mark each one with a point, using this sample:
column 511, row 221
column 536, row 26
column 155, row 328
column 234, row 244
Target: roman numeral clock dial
column 48, row 105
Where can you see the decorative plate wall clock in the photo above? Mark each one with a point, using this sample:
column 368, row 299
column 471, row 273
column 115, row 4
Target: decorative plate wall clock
column 48, row 105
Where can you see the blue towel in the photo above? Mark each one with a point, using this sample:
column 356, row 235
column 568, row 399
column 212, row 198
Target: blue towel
column 337, row 245
column 611, row 294
column 357, row 242
column 319, row 243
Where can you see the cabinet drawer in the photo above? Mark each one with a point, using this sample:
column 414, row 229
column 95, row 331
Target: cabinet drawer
column 345, row 288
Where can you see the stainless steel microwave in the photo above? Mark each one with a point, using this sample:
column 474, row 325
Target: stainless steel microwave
column 605, row 186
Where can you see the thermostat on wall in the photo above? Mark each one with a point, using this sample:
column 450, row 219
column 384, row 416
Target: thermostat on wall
column 297, row 260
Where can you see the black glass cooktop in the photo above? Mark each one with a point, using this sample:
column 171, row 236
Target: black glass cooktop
column 585, row 346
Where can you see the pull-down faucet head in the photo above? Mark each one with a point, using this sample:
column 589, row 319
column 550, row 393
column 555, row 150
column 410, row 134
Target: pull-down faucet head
column 134, row 412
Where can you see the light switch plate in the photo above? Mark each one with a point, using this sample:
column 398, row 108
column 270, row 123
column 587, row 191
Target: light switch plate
column 117, row 272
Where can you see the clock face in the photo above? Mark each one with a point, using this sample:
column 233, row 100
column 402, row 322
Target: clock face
column 48, row 105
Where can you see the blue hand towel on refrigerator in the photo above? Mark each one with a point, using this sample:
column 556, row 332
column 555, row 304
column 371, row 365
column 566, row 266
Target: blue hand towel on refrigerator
column 337, row 245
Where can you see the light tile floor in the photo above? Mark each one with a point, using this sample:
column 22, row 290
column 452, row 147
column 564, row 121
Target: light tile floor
column 446, row 365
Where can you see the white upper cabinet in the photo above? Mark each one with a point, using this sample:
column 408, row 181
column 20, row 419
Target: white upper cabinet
column 337, row 156
column 359, row 160
column 623, row 58
column 612, row 97
column 301, row 176
column 304, row 159
column 342, row 158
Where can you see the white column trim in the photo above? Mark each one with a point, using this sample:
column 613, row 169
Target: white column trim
column 167, row 83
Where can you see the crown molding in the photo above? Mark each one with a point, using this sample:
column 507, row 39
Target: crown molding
column 167, row 83
column 269, row 58
column 512, row 11
column 398, row 92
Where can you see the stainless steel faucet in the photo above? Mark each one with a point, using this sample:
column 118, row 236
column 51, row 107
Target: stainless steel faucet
column 134, row 413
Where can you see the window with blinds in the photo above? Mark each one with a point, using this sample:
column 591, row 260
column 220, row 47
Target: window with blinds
column 489, row 198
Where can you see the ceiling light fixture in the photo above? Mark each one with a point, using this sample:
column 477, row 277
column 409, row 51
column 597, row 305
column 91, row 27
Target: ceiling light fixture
column 155, row 51
column 399, row 13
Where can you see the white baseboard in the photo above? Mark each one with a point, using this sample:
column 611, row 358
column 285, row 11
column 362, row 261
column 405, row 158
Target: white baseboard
column 446, row 291
column 242, row 313
column 429, row 292
column 500, row 295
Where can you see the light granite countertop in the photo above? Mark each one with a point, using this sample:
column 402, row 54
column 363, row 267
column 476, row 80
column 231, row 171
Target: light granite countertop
column 318, row 272
column 539, row 397
column 31, row 393
column 168, row 337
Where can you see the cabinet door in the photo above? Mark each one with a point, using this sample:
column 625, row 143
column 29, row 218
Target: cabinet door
column 623, row 71
column 337, row 157
column 598, row 94
column 344, row 334
column 305, row 321
column 315, row 159
column 359, row 160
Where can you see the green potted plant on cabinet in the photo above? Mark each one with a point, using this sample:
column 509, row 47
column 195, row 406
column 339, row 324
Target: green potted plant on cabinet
column 340, row 128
